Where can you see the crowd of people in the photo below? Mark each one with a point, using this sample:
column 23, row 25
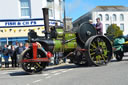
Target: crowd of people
column 13, row 52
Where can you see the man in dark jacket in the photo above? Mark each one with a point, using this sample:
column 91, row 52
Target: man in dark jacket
column 99, row 27
column 6, row 55
column 13, row 57
column 19, row 50
column 0, row 56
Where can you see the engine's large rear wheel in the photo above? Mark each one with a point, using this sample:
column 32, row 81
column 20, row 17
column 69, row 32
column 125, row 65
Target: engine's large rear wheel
column 99, row 50
column 33, row 67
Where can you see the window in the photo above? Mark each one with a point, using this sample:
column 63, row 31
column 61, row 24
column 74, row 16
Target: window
column 100, row 16
column 25, row 8
column 122, row 27
column 107, row 17
column 106, row 26
column 50, row 3
column 50, row 13
column 121, row 17
column 50, row 0
column 114, row 17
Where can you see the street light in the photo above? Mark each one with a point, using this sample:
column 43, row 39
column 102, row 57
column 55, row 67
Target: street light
column 64, row 16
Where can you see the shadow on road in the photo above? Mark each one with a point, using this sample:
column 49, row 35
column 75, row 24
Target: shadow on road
column 21, row 73
column 68, row 66
column 61, row 67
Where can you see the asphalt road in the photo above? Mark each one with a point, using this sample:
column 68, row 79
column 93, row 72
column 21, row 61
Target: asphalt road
column 115, row 73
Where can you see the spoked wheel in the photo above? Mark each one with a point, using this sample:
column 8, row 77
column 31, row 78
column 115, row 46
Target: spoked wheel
column 99, row 50
column 33, row 67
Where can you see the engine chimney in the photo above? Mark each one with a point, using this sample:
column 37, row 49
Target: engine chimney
column 46, row 22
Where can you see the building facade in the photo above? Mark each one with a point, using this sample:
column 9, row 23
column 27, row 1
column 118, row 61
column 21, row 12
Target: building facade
column 108, row 15
column 17, row 17
column 68, row 24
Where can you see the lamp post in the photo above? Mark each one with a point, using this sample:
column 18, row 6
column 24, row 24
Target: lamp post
column 64, row 15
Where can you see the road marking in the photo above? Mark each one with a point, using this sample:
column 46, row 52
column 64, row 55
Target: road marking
column 36, row 81
column 48, row 77
column 6, row 77
column 6, row 72
column 56, row 73
column 27, row 84
column 45, row 74
column 57, row 65
column 65, row 71
column 70, row 69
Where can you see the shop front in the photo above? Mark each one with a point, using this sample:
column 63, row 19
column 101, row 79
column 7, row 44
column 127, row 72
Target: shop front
column 12, row 31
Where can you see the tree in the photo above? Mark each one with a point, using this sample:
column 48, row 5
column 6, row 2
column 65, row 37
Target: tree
column 113, row 32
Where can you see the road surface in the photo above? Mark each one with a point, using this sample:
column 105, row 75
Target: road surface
column 115, row 73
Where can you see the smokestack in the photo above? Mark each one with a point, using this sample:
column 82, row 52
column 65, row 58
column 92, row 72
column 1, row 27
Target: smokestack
column 46, row 22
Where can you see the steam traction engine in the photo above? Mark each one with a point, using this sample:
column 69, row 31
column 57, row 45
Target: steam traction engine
column 83, row 47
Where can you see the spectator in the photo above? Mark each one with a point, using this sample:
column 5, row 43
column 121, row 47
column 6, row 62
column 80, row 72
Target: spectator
column 91, row 22
column 99, row 27
column 0, row 56
column 6, row 55
column 15, row 53
column 26, row 45
column 56, row 24
column 13, row 57
column 19, row 50
column 17, row 45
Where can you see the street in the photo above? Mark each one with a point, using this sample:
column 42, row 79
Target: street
column 115, row 73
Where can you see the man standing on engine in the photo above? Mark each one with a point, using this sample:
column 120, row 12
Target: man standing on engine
column 99, row 27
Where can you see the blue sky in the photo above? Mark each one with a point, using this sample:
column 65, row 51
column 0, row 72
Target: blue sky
column 76, row 8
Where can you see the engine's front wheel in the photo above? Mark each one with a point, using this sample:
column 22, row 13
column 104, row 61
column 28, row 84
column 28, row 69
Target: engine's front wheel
column 33, row 67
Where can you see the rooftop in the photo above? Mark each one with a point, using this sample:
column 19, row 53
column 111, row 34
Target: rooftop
column 101, row 8
column 110, row 8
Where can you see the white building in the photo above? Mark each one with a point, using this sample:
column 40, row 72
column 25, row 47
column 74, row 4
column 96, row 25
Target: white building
column 17, row 17
column 22, row 9
column 108, row 15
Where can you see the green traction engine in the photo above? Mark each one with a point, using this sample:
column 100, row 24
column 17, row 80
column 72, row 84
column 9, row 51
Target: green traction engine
column 82, row 47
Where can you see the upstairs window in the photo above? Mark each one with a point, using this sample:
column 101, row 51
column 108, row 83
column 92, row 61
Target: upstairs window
column 25, row 8
column 114, row 17
column 50, row 4
column 50, row 0
column 121, row 17
column 100, row 16
column 107, row 17
column 50, row 13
